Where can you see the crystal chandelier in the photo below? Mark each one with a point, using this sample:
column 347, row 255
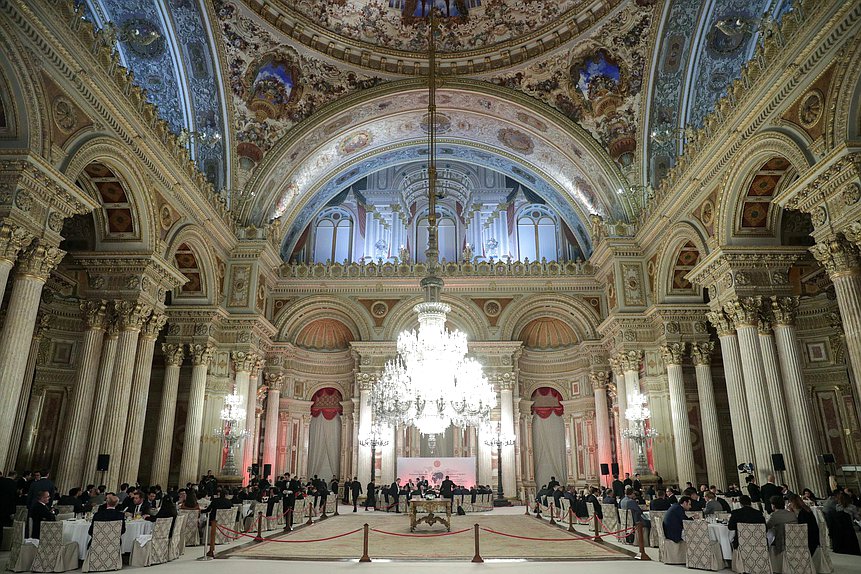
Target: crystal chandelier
column 637, row 414
column 230, row 432
column 432, row 383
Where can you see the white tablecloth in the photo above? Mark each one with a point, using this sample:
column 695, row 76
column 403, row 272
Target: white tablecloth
column 78, row 531
column 721, row 533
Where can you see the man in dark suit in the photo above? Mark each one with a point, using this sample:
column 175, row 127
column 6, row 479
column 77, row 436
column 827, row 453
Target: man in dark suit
column 660, row 502
column 753, row 489
column 348, row 488
column 136, row 505
column 40, row 512
column 371, row 498
column 674, row 519
column 219, row 502
column 618, row 487
column 395, row 491
column 551, row 486
column 445, row 489
column 41, row 482
column 768, row 490
column 637, row 484
column 744, row 515
column 109, row 513
column 355, row 491
column 627, row 482
column 73, row 499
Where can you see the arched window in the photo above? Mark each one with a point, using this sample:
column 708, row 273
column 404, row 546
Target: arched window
column 333, row 236
column 447, row 236
column 536, row 234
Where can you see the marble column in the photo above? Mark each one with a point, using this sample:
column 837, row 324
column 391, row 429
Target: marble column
column 70, row 469
column 12, row 239
column 775, row 397
column 31, row 426
column 685, row 468
column 173, row 358
column 745, row 313
column 599, row 381
column 201, row 354
column 34, row 266
column 843, row 264
column 257, row 408
column 42, row 323
column 101, row 401
column 273, row 406
column 130, row 317
column 506, row 415
column 631, row 369
column 741, row 432
column 131, row 453
column 243, row 363
column 623, row 453
column 363, row 463
column 701, row 354
column 798, row 405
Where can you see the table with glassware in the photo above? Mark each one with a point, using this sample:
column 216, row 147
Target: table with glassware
column 718, row 531
column 78, row 531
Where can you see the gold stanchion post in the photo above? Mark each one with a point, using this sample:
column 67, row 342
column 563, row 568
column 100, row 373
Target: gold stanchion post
column 570, row 520
column 643, row 556
column 365, row 557
column 213, row 526
column 477, row 558
column 597, row 529
column 259, row 525
column 552, row 513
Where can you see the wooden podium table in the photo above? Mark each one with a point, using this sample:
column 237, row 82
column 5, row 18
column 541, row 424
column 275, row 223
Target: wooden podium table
column 438, row 510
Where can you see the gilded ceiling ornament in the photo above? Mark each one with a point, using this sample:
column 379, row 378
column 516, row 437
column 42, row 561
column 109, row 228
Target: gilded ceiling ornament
column 272, row 86
column 819, row 216
column 23, row 200
column 851, row 193
column 173, row 354
column 707, row 213
column 811, row 108
column 65, row 115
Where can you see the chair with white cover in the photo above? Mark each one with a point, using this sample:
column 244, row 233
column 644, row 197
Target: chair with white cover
column 822, row 556
column 655, row 517
column 626, row 520
column 669, row 552
column 226, row 518
column 722, row 516
column 190, row 530
column 52, row 555
column 22, row 552
column 106, row 548
column 751, row 556
column 796, row 553
column 703, row 553
column 176, row 545
column 21, row 513
column 65, row 509
column 149, row 549
column 610, row 521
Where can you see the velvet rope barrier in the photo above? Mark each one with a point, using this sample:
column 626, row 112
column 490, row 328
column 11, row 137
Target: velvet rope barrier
column 568, row 539
column 420, row 535
column 225, row 530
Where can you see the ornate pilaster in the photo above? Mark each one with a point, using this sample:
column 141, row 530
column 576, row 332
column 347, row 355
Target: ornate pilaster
column 72, row 457
column 599, row 380
column 243, row 363
column 742, row 435
column 34, row 266
column 802, row 429
column 174, row 354
column 701, row 353
column 13, row 238
column 273, row 404
column 101, row 398
column 672, row 356
column 201, row 354
column 745, row 313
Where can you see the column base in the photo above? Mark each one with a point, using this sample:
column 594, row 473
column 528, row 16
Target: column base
column 499, row 502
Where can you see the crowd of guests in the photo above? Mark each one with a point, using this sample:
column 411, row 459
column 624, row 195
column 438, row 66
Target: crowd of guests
column 771, row 504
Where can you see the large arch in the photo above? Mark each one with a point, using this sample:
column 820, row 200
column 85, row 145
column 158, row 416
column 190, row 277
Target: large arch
column 464, row 316
column 194, row 240
column 683, row 233
column 572, row 311
column 26, row 101
column 749, row 159
column 298, row 314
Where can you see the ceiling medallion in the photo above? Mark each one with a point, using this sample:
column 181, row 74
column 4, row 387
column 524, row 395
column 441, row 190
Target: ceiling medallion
column 65, row 115
column 810, row 110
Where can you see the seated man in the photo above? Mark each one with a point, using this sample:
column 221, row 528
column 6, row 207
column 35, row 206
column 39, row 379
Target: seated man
column 630, row 503
column 73, row 499
column 674, row 519
column 712, row 504
column 109, row 513
column 778, row 519
column 744, row 515
column 660, row 501
column 136, row 505
column 39, row 512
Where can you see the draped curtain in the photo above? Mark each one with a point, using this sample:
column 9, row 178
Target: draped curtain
column 324, row 440
column 548, row 436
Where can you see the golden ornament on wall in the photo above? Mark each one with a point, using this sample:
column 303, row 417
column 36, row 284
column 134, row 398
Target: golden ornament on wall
column 810, row 110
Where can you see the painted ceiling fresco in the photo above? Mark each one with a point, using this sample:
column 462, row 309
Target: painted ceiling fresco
column 467, row 24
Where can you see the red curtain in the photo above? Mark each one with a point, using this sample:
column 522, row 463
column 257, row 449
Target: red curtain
column 326, row 402
column 546, row 411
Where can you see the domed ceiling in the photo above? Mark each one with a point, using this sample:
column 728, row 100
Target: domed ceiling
column 547, row 333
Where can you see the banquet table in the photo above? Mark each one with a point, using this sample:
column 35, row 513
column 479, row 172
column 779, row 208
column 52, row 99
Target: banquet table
column 720, row 533
column 78, row 531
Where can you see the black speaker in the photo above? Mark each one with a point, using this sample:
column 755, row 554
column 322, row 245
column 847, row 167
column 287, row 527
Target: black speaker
column 255, row 469
column 267, row 470
column 103, row 462
column 777, row 462
column 614, row 467
column 605, row 469
column 828, row 458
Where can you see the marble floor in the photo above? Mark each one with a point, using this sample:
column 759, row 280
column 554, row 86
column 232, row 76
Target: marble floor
column 191, row 563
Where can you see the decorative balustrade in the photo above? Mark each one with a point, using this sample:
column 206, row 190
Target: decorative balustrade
column 382, row 268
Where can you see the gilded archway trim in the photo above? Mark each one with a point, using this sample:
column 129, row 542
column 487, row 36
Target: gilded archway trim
column 572, row 311
column 296, row 315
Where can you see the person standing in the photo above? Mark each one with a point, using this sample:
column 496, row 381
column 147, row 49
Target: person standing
column 371, row 498
column 348, row 487
column 618, row 487
column 395, row 491
column 355, row 491
column 445, row 489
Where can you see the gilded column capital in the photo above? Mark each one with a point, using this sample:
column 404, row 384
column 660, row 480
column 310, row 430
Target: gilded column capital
column 672, row 353
column 154, row 324
column 837, row 255
column 784, row 310
column 365, row 381
column 257, row 367
column 112, row 327
column 131, row 315
column 201, row 353
column 94, row 313
column 627, row 361
column 744, row 311
column 599, row 380
column 701, row 353
column 38, row 260
column 13, row 239
column 274, row 380
column 43, row 323
column 616, row 366
column 244, row 361
column 174, row 353
column 722, row 323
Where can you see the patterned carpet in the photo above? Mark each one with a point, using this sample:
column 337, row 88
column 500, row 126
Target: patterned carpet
column 422, row 545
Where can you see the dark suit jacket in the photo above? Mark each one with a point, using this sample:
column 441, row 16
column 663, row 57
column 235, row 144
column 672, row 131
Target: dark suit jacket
column 660, row 504
column 38, row 513
column 8, row 496
column 355, row 488
column 766, row 491
column 130, row 507
column 445, row 489
column 673, row 519
column 36, row 486
column 744, row 515
column 618, row 488
column 109, row 515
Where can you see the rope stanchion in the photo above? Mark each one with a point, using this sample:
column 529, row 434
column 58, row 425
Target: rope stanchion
column 288, row 523
column 643, row 556
column 205, row 544
column 477, row 558
column 434, row 535
column 336, row 507
column 567, row 539
column 323, row 514
column 526, row 506
column 571, row 520
column 597, row 537
column 552, row 507
column 225, row 530
column 259, row 525
column 212, row 528
column 310, row 512
column 365, row 557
